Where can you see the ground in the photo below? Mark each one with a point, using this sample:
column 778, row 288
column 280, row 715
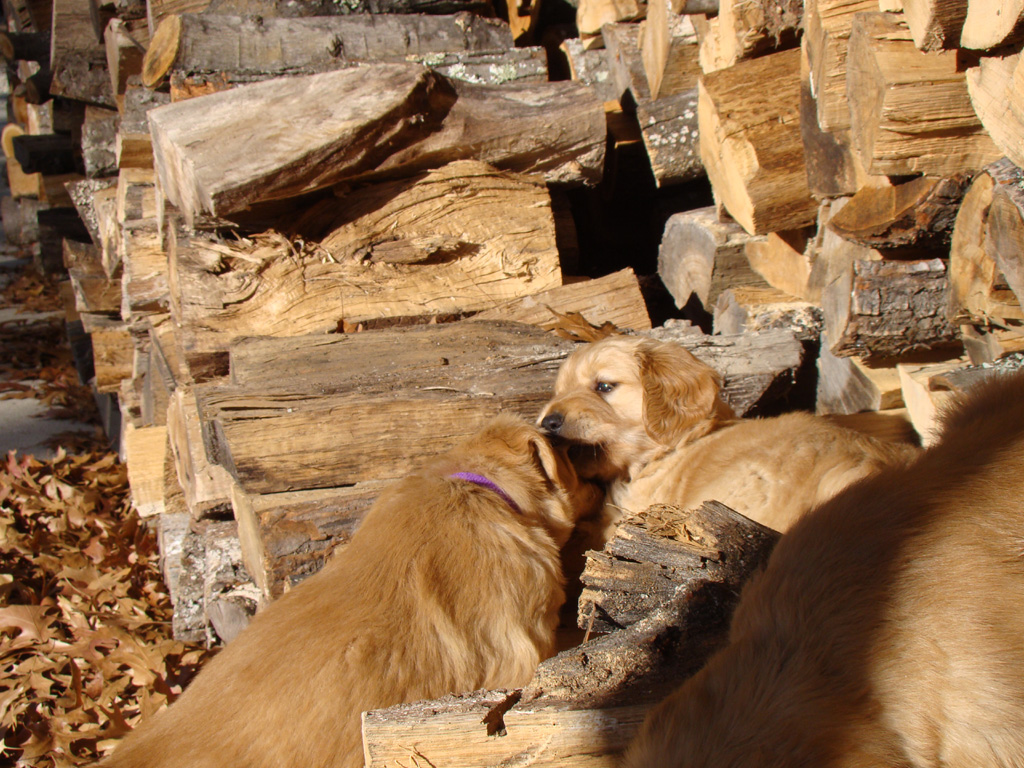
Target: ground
column 85, row 643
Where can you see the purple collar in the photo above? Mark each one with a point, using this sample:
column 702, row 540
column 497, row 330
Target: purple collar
column 480, row 480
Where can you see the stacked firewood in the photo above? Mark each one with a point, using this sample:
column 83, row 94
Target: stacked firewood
column 312, row 243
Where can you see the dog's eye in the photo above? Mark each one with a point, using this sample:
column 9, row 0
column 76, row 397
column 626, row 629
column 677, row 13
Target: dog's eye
column 604, row 387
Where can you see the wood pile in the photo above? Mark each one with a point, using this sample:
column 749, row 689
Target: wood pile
column 311, row 243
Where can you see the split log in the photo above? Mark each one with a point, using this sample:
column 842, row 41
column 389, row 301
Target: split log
column 961, row 379
column 181, row 567
column 700, row 256
column 287, row 537
column 377, row 120
column 993, row 86
column 833, row 168
column 21, row 183
column 205, row 485
column 749, row 309
column 104, row 206
column 20, row 219
column 555, row 130
column 134, row 144
column 583, row 705
column 669, row 49
column 260, row 47
column 494, row 68
column 29, row 15
column 614, row 299
column 935, row 24
column 439, row 384
column 893, row 308
column 918, row 213
column 592, row 68
column 99, row 136
column 53, row 189
column 144, row 451
column 855, row 384
column 910, row 111
column 26, row 46
column 393, row 253
column 827, row 25
column 112, row 351
column 36, row 87
column 924, row 399
column 992, row 23
column 655, row 554
column 125, row 44
column 668, row 125
column 51, row 154
column 593, row 15
column 987, row 344
column 788, row 261
column 750, row 143
column 140, row 247
column 977, row 287
column 154, row 394
column 365, row 113
column 78, row 59
column 229, row 595
column 756, row 368
column 1006, row 227
column 623, row 43
column 744, row 30
column 94, row 291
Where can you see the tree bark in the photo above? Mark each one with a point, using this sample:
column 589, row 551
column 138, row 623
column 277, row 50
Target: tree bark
column 654, row 555
column 894, row 308
column 259, row 47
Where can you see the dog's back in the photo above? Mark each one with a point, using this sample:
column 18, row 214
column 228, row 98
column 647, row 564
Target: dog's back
column 445, row 587
column 888, row 626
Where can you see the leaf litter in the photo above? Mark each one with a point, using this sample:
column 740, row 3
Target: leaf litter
column 86, row 650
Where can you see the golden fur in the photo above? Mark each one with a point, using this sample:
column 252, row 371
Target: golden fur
column 443, row 588
column 887, row 628
column 646, row 418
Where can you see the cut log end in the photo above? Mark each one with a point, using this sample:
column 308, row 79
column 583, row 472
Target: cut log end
column 162, row 51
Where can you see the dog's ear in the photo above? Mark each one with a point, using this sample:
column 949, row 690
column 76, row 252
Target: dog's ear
column 545, row 458
column 680, row 392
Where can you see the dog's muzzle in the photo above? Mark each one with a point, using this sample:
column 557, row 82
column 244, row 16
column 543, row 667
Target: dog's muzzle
column 552, row 423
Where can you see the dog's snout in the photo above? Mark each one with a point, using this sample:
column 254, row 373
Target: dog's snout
column 552, row 422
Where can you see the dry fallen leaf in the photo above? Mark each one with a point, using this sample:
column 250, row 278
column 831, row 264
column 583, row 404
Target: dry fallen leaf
column 85, row 621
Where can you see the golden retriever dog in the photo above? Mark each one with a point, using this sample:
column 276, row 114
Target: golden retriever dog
column 887, row 628
column 451, row 583
column 645, row 417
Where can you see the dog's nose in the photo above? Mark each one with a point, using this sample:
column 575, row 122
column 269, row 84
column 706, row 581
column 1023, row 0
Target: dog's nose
column 552, row 422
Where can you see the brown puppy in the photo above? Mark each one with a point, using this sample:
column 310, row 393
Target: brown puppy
column 450, row 584
column 887, row 628
column 647, row 419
